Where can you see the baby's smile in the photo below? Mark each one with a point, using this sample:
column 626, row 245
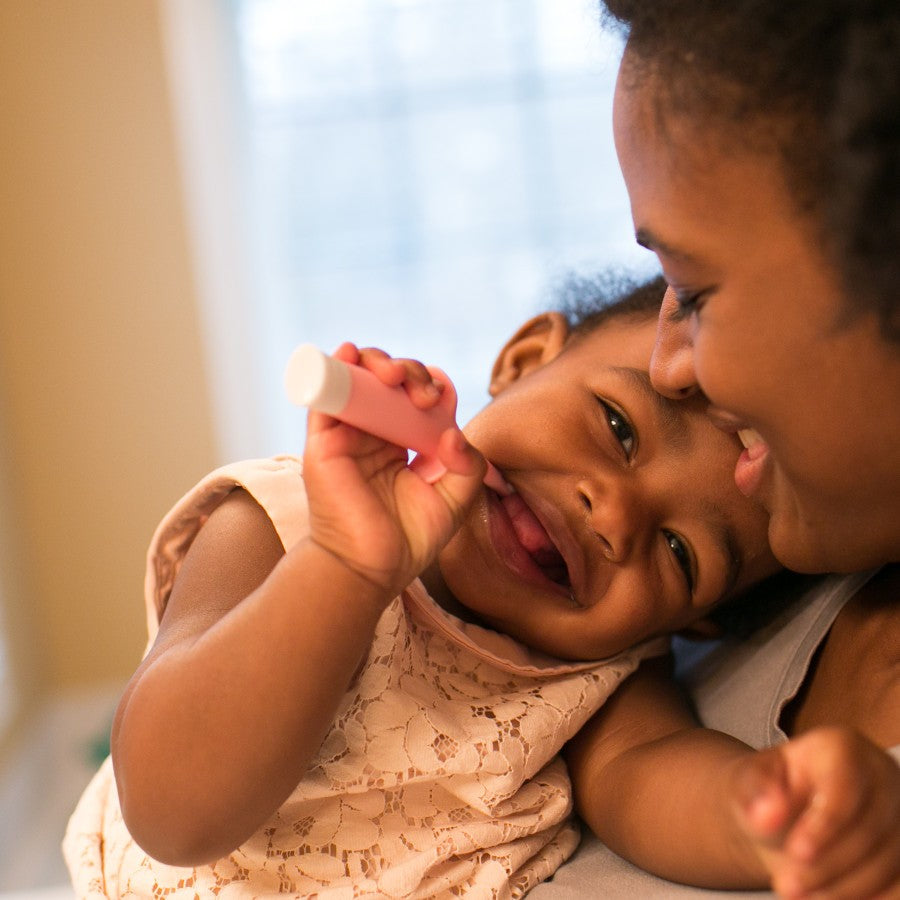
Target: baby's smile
column 524, row 544
column 534, row 538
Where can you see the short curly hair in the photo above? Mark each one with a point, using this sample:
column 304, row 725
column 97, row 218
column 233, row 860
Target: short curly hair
column 821, row 80
column 588, row 302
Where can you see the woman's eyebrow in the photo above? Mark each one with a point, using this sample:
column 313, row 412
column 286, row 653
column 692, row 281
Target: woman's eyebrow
column 646, row 238
column 670, row 415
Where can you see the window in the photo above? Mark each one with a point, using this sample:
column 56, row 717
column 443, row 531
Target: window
column 414, row 174
column 7, row 692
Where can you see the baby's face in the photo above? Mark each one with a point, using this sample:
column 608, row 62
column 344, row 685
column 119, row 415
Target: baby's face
column 625, row 523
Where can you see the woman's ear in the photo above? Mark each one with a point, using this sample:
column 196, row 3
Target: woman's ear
column 537, row 342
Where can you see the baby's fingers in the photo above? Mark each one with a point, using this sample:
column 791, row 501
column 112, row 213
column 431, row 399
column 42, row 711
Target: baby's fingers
column 845, row 842
column 418, row 382
column 853, row 787
column 348, row 353
column 465, row 471
column 762, row 798
column 459, row 456
column 846, row 873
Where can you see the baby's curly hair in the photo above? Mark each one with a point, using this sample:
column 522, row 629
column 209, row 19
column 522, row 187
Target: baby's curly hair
column 818, row 82
column 588, row 302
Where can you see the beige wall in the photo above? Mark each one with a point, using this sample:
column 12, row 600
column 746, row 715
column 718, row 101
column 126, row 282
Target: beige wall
column 104, row 417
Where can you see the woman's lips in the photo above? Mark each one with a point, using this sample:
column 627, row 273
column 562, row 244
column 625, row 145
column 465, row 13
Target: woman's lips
column 748, row 472
column 751, row 465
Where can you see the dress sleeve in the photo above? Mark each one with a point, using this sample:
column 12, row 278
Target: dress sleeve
column 276, row 484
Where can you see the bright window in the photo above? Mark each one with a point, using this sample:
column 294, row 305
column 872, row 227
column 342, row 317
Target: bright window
column 417, row 175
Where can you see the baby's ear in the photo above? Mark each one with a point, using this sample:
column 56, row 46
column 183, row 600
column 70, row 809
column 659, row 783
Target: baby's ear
column 537, row 342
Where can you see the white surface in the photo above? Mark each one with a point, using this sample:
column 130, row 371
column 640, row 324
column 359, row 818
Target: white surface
column 53, row 893
column 40, row 783
column 204, row 99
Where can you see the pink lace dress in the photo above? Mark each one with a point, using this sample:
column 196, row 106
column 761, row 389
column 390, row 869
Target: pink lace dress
column 440, row 777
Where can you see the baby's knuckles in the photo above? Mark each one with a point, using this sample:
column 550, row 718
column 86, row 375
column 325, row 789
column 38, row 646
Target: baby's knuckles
column 845, row 844
column 394, row 531
column 423, row 389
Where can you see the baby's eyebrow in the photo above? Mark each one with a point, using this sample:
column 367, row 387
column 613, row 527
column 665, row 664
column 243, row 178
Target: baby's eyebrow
column 670, row 414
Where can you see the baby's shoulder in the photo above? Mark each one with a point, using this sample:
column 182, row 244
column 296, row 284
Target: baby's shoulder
column 253, row 503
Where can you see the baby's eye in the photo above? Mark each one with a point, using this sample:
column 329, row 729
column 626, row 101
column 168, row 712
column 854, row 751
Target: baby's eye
column 620, row 427
column 683, row 556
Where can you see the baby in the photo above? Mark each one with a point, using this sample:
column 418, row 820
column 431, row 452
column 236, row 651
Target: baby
column 358, row 683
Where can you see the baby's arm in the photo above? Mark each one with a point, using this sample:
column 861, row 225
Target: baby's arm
column 222, row 717
column 696, row 806
column 651, row 784
column 256, row 646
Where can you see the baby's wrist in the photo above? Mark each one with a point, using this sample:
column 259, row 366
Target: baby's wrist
column 351, row 579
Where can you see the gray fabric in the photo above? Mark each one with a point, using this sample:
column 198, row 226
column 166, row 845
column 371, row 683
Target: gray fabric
column 740, row 688
column 596, row 872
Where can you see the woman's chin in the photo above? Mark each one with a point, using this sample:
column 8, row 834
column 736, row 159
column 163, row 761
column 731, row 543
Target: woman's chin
column 811, row 546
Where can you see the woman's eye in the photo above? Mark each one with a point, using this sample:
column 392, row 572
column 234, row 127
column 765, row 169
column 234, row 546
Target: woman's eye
column 680, row 550
column 620, row 427
column 688, row 303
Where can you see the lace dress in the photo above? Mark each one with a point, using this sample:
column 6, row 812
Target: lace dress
column 439, row 778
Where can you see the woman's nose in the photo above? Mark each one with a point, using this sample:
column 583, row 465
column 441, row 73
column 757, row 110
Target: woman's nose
column 672, row 362
column 616, row 515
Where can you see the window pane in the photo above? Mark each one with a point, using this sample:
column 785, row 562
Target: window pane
column 422, row 172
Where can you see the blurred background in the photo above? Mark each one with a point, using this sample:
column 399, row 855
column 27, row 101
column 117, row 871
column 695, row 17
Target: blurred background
column 190, row 188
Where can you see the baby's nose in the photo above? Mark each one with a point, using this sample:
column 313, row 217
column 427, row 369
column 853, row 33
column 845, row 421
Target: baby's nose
column 616, row 513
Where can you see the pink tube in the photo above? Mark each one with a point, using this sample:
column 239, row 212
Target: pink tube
column 356, row 396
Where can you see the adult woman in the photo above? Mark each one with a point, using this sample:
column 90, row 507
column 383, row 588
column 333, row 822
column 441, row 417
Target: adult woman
column 789, row 323
column 760, row 144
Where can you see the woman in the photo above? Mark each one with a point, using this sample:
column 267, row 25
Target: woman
column 760, row 145
column 787, row 322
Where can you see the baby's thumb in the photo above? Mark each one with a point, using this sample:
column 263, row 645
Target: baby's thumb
column 465, row 469
column 761, row 798
column 459, row 456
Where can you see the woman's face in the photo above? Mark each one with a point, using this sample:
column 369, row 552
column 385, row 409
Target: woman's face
column 753, row 318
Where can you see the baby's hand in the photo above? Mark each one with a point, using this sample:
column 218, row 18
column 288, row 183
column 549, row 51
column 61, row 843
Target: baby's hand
column 366, row 506
column 822, row 812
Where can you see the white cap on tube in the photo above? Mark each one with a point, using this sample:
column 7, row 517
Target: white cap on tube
column 314, row 379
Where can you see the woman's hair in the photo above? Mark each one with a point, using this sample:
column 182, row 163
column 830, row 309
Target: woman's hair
column 588, row 302
column 818, row 82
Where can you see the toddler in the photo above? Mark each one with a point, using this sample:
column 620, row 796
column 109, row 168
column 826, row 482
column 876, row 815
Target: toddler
column 358, row 683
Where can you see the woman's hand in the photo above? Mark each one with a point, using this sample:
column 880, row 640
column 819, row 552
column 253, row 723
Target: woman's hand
column 822, row 811
column 366, row 506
